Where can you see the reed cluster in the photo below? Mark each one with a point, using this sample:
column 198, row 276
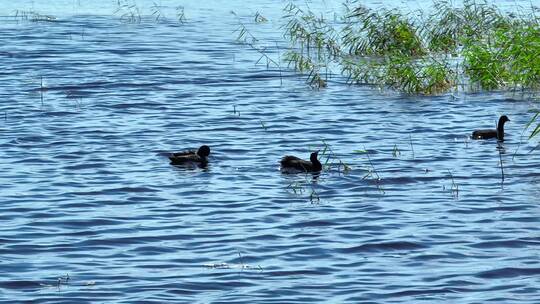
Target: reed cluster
column 28, row 15
column 443, row 48
column 472, row 47
column 130, row 12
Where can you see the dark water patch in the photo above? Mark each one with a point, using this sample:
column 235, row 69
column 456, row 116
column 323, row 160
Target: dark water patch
column 508, row 272
column 423, row 292
column 85, row 166
column 112, row 191
column 32, row 160
column 21, row 285
column 506, row 244
column 317, row 223
column 524, row 219
column 383, row 247
column 78, row 87
column 44, row 215
column 293, row 273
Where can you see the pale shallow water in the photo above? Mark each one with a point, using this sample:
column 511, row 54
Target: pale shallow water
column 87, row 193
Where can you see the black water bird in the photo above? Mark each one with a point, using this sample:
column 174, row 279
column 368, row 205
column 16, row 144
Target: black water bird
column 492, row 133
column 293, row 164
column 199, row 157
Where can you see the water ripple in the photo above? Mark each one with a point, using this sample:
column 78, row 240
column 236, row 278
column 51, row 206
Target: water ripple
column 92, row 107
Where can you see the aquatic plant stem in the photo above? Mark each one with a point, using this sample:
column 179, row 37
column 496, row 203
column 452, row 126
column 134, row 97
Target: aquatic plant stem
column 499, row 148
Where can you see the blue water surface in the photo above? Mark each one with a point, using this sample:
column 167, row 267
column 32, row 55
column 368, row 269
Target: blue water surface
column 92, row 212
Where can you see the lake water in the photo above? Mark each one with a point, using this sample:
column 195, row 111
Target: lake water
column 92, row 211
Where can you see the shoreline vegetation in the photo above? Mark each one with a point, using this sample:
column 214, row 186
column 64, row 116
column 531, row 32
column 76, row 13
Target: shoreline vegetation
column 444, row 48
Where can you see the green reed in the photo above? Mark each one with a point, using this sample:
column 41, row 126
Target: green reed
column 454, row 188
column 444, row 48
column 32, row 16
column 128, row 10
column 246, row 37
column 368, row 32
column 259, row 18
column 314, row 44
column 308, row 184
column 424, row 52
column 157, row 12
column 180, row 14
column 509, row 60
column 332, row 160
column 536, row 130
